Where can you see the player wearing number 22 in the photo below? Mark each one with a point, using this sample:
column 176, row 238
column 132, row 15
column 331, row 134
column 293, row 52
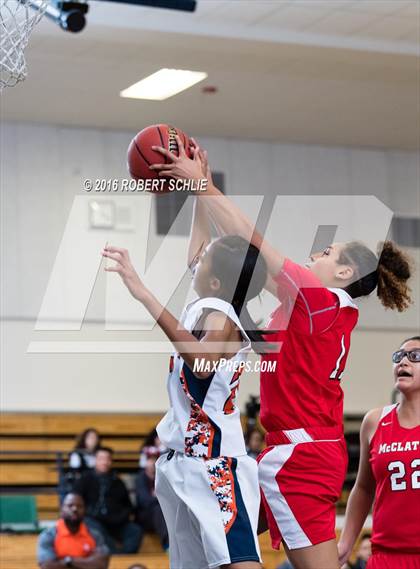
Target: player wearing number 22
column 389, row 472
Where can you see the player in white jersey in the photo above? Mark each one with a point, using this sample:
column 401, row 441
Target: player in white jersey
column 207, row 486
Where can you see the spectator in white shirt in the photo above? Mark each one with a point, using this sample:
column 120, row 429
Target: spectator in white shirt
column 83, row 455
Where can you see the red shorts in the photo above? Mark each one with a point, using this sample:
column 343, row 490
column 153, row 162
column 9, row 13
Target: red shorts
column 381, row 560
column 300, row 484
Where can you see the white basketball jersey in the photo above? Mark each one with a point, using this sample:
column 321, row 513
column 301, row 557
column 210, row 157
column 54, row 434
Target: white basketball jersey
column 203, row 419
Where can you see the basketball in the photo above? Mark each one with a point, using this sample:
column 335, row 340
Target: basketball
column 140, row 154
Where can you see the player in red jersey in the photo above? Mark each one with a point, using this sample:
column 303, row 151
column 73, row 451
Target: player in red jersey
column 302, row 471
column 389, row 473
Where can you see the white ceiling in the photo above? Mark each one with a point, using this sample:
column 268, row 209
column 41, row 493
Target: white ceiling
column 389, row 25
column 331, row 72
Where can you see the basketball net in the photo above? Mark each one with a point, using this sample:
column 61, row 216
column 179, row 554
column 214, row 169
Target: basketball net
column 17, row 19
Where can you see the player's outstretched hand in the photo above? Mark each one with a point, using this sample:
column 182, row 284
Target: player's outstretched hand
column 126, row 270
column 180, row 167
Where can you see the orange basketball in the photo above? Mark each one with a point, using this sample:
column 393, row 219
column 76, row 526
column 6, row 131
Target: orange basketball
column 140, row 154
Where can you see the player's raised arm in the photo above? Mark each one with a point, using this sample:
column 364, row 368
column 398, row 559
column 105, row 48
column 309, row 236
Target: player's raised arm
column 227, row 216
column 200, row 235
column 230, row 218
column 210, row 349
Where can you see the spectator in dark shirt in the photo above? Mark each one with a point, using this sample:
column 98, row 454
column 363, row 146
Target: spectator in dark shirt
column 69, row 543
column 108, row 505
column 149, row 513
column 254, row 443
column 364, row 551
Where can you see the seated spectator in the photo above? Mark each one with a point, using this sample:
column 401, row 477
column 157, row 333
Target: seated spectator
column 254, row 443
column 69, row 543
column 149, row 513
column 151, row 444
column 81, row 458
column 108, row 505
column 364, row 551
column 83, row 455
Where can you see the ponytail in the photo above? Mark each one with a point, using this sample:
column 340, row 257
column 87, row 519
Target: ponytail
column 393, row 273
column 387, row 272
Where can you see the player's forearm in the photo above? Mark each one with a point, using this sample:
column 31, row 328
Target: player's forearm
column 184, row 342
column 200, row 235
column 231, row 220
column 228, row 217
column 358, row 507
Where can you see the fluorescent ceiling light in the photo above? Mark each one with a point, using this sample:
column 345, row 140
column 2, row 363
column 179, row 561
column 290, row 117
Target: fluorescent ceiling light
column 163, row 84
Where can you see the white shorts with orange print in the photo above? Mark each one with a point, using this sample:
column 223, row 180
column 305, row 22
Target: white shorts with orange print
column 211, row 508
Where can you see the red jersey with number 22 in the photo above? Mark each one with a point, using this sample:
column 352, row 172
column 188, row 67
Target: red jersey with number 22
column 313, row 325
column 395, row 463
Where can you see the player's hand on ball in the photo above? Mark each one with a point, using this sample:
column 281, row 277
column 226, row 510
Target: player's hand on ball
column 126, row 270
column 180, row 167
column 205, row 168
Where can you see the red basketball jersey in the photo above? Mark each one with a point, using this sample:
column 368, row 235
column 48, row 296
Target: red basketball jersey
column 395, row 463
column 313, row 325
